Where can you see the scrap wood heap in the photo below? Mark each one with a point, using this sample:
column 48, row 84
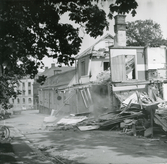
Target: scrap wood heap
column 160, row 117
column 134, row 117
column 137, row 116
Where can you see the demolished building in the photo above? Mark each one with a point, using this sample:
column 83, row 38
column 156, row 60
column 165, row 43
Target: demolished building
column 111, row 77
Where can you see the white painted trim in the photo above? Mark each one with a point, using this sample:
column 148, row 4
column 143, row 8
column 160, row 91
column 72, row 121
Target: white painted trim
column 141, row 67
column 124, row 88
column 117, row 52
column 156, row 66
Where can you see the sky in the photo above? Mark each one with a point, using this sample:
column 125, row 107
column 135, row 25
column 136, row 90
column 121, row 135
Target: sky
column 147, row 9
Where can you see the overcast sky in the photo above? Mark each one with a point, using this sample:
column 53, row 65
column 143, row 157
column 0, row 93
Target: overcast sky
column 147, row 9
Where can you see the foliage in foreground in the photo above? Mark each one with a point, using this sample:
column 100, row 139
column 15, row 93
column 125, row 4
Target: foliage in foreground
column 31, row 29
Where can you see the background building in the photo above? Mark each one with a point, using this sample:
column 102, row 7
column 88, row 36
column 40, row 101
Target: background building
column 25, row 99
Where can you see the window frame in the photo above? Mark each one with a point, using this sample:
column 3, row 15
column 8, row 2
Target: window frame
column 83, row 68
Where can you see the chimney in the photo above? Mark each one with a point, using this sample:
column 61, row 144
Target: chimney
column 52, row 65
column 120, row 30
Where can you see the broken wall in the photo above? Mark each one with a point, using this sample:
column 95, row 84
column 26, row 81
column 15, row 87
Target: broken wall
column 121, row 62
column 101, row 98
column 120, row 92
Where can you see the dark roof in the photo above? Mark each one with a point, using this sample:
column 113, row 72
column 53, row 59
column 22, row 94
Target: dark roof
column 51, row 71
column 60, row 79
column 90, row 49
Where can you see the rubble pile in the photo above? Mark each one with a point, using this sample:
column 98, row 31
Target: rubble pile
column 138, row 115
column 160, row 117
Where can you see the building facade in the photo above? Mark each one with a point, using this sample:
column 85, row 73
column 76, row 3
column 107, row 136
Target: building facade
column 25, row 99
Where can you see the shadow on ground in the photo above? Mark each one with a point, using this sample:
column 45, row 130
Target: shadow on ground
column 111, row 140
column 19, row 152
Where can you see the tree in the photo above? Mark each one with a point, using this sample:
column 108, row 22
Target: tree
column 144, row 33
column 30, row 29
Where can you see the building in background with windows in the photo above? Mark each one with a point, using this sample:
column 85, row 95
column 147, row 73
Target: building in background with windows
column 25, row 99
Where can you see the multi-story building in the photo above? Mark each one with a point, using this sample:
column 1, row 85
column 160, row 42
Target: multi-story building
column 25, row 99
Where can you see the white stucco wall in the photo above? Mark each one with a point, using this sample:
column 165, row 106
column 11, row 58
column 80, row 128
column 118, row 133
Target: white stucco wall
column 96, row 68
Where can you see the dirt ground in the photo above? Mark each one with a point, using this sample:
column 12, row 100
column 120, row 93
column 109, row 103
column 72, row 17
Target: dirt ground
column 90, row 147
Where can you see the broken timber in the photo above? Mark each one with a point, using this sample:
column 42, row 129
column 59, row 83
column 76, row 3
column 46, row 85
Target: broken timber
column 119, row 119
column 161, row 121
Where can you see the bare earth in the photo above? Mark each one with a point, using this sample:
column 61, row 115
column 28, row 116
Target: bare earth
column 89, row 147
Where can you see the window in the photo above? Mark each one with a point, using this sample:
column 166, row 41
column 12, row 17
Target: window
column 83, row 72
column 29, row 92
column 23, row 84
column 18, row 101
column 24, row 101
column 130, row 66
column 29, row 84
column 23, row 92
column 106, row 66
column 29, row 100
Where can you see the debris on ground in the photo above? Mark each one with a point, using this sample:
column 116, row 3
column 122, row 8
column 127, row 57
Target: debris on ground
column 71, row 120
column 138, row 115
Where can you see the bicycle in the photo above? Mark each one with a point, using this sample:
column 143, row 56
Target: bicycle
column 4, row 133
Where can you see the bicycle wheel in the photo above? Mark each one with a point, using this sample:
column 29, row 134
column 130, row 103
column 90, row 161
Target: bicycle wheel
column 5, row 133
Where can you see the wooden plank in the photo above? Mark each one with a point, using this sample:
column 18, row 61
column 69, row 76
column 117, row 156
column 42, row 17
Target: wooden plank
column 120, row 119
column 118, row 69
column 126, row 88
column 85, row 128
column 161, row 121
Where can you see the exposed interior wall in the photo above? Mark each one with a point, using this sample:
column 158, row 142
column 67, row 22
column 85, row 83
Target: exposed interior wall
column 141, row 64
column 156, row 63
column 97, row 66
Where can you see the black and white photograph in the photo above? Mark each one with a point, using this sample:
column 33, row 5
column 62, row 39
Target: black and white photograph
column 83, row 81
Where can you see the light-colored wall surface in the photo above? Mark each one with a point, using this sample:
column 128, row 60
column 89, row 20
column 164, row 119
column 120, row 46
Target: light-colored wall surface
column 97, row 67
column 156, row 57
column 94, row 64
column 28, row 97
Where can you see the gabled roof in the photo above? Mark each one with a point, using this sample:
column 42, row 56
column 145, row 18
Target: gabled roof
column 90, row 49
